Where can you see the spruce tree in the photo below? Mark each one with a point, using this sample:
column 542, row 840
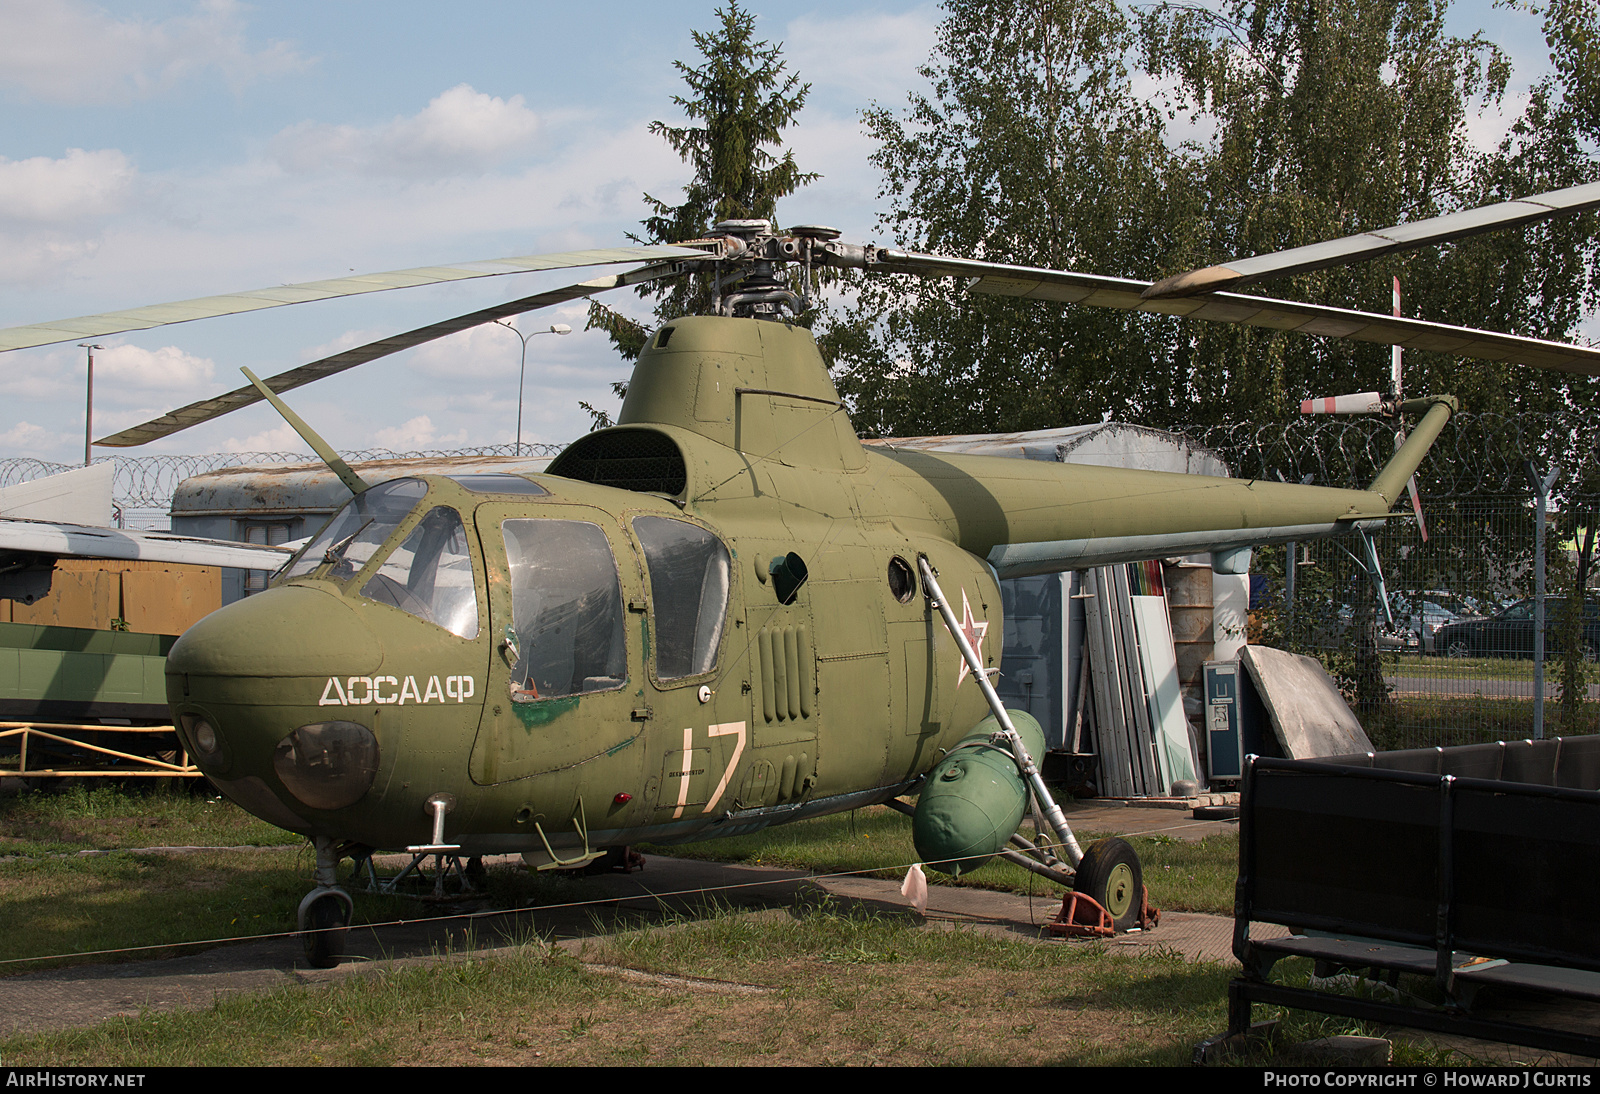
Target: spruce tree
column 740, row 99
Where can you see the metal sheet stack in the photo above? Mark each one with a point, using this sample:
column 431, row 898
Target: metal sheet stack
column 1141, row 736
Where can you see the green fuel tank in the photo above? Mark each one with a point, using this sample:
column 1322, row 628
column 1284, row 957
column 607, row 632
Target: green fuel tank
column 974, row 798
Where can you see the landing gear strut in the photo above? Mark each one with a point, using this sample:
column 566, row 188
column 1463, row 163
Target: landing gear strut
column 326, row 911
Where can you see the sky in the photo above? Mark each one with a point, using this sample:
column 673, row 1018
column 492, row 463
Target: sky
column 156, row 150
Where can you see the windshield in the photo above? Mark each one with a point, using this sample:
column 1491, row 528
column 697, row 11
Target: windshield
column 348, row 540
column 430, row 575
column 1451, row 603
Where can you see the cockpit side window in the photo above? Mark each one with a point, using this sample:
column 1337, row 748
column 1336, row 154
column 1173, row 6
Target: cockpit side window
column 348, row 541
column 566, row 609
column 430, row 575
column 688, row 593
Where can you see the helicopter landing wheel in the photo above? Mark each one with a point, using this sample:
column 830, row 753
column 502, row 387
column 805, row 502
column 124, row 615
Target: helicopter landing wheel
column 324, row 915
column 1111, row 875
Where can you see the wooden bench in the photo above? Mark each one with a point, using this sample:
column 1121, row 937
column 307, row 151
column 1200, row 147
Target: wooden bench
column 1473, row 866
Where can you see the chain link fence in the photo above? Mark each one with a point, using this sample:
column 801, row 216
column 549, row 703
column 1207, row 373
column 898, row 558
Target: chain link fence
column 1455, row 665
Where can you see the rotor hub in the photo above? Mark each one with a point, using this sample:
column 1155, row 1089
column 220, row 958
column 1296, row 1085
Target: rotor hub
column 749, row 279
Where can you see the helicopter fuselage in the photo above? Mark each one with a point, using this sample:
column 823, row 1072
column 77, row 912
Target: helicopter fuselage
column 705, row 620
column 628, row 673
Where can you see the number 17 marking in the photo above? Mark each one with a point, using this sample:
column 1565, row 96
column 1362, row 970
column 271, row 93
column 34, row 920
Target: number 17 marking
column 723, row 729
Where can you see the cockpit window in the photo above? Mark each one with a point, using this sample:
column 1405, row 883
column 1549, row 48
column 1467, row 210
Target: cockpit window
column 688, row 591
column 355, row 533
column 430, row 575
column 566, row 610
column 499, row 483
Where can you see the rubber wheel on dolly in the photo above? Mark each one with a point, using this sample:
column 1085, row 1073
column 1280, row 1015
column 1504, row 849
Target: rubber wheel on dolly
column 323, row 934
column 1110, row 874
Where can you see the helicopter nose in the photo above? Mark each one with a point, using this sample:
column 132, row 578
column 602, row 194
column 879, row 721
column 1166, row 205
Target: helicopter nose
column 292, row 631
column 245, row 682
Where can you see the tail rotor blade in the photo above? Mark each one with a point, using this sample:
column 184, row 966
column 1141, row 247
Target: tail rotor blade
column 1366, row 402
column 1416, row 507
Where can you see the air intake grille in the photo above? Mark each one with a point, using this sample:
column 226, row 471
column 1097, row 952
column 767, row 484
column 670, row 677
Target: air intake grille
column 629, row 459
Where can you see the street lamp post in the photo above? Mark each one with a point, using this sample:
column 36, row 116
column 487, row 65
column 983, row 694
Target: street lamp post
column 554, row 328
column 88, row 412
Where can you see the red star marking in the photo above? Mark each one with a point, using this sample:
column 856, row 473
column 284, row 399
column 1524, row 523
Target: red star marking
column 974, row 632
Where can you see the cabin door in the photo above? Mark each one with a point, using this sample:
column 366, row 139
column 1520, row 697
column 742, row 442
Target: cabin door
column 566, row 656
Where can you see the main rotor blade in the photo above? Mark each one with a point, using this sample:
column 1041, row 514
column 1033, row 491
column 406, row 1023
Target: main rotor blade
column 206, row 307
column 207, row 409
column 1358, row 248
column 1255, row 311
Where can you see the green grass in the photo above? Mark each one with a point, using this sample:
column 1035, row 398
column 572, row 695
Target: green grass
column 53, row 906
column 56, row 900
column 79, row 817
column 827, row 976
column 128, row 906
column 1426, row 722
column 1190, row 876
column 821, row 986
column 1464, row 668
column 816, row 984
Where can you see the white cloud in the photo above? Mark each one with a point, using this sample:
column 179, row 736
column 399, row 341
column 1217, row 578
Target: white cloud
column 237, row 225
column 1167, row 94
column 487, row 353
column 868, row 55
column 36, row 376
column 167, row 369
column 27, row 439
column 418, row 433
column 53, row 212
column 77, row 186
column 462, row 130
column 71, row 52
column 1488, row 127
column 32, row 256
column 837, row 149
column 348, row 340
column 20, row 387
column 219, row 211
column 280, row 438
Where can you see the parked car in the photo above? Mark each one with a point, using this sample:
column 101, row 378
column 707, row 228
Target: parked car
column 1509, row 632
column 1335, row 624
column 1417, row 619
column 1422, row 617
